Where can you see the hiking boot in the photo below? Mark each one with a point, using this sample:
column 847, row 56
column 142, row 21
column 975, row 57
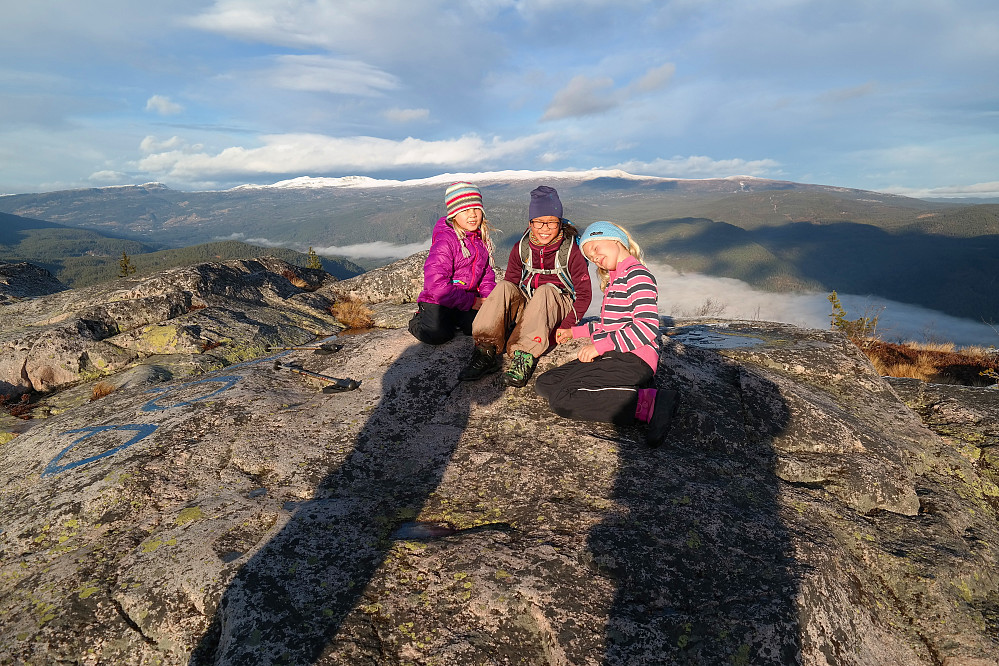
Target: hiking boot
column 520, row 368
column 667, row 402
column 483, row 362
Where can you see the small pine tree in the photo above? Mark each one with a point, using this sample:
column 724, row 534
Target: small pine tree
column 855, row 329
column 125, row 266
column 837, row 318
column 314, row 261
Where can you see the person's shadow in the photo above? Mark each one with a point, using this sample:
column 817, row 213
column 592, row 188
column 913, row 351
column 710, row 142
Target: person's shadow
column 289, row 600
column 699, row 555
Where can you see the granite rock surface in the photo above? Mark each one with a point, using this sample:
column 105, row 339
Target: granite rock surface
column 800, row 511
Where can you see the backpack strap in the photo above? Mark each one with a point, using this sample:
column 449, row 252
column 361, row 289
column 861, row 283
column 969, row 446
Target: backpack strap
column 528, row 271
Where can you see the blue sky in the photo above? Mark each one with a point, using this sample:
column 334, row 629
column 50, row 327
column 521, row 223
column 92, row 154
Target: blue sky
column 893, row 96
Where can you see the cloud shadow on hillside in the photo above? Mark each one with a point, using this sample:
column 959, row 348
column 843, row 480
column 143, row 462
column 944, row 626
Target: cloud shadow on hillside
column 953, row 275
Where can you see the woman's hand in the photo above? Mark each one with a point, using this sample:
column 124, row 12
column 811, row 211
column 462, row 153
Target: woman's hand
column 477, row 303
column 588, row 353
column 563, row 335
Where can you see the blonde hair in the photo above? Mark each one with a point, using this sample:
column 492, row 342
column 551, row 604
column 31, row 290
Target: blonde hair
column 634, row 249
column 485, row 228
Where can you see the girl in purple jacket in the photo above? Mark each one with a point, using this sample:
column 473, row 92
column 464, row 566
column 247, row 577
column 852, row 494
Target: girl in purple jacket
column 458, row 273
column 610, row 379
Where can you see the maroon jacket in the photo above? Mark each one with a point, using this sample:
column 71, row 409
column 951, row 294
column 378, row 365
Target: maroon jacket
column 544, row 256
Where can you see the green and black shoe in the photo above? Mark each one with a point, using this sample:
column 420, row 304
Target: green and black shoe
column 483, row 362
column 520, row 369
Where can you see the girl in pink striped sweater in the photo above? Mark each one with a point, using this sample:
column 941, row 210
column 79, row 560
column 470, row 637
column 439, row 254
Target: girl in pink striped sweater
column 609, row 381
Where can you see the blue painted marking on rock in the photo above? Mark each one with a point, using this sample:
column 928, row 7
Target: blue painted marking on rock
column 258, row 360
column 142, row 431
column 228, row 382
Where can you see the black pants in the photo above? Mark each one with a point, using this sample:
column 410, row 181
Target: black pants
column 436, row 324
column 605, row 389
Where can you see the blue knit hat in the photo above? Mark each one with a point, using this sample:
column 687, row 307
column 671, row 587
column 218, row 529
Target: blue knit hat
column 545, row 201
column 603, row 231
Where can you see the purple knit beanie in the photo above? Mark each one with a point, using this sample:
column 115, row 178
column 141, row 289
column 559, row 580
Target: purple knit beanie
column 545, row 201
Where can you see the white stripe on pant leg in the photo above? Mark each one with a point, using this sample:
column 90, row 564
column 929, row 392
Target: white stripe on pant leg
column 609, row 388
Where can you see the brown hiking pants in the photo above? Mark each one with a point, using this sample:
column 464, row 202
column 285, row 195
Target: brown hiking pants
column 509, row 319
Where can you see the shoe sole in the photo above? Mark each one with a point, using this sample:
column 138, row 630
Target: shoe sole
column 480, row 376
column 655, row 442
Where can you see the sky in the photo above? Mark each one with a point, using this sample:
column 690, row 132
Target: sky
column 896, row 96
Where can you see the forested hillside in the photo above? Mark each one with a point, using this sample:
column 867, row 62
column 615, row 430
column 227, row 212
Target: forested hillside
column 81, row 257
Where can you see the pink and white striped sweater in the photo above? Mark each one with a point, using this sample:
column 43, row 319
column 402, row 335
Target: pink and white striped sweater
column 629, row 314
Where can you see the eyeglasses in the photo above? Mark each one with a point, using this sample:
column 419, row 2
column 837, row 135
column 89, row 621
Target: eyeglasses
column 539, row 224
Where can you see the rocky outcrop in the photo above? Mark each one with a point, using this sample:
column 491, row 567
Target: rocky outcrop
column 232, row 309
column 799, row 512
column 400, row 282
column 20, row 280
column 967, row 417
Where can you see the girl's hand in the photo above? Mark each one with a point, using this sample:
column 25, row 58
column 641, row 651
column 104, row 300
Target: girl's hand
column 563, row 335
column 588, row 353
column 477, row 304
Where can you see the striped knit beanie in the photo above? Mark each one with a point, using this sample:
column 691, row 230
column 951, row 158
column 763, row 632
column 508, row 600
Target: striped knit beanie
column 462, row 196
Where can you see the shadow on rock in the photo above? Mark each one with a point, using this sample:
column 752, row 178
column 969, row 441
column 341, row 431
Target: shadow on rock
column 698, row 551
column 289, row 601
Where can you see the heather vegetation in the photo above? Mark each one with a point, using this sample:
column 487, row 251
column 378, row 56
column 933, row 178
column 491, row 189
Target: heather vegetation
column 936, row 362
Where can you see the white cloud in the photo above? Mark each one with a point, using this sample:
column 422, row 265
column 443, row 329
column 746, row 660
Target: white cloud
column 109, row 177
column 313, row 153
column 582, row 96
column 163, row 105
column 586, row 96
column 977, row 190
column 316, row 73
column 656, row 78
column 406, row 115
column 699, row 166
column 374, row 250
column 151, row 144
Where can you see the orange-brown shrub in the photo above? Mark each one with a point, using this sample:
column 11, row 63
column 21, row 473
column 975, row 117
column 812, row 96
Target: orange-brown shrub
column 352, row 314
column 293, row 278
column 101, row 389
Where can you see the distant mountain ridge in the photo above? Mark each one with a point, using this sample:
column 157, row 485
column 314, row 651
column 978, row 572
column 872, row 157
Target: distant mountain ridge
column 775, row 235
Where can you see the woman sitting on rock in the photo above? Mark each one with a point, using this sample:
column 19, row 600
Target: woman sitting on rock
column 546, row 287
column 458, row 273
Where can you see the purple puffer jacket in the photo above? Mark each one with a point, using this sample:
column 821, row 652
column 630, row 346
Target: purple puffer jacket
column 450, row 279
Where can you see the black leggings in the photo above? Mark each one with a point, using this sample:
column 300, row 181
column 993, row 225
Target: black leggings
column 436, row 324
column 605, row 389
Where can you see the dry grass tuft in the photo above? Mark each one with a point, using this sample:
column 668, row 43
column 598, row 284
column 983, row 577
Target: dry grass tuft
column 102, row 389
column 931, row 346
column 937, row 363
column 352, row 314
column 298, row 280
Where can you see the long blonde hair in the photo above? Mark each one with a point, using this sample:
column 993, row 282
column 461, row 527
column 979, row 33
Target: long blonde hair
column 634, row 249
column 485, row 228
